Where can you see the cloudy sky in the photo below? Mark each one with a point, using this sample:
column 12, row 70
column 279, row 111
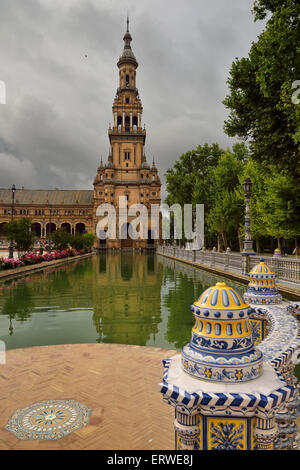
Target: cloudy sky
column 58, row 61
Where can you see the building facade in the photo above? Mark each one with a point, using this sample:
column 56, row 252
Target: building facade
column 48, row 210
column 126, row 175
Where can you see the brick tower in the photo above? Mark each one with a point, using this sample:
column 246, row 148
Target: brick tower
column 126, row 172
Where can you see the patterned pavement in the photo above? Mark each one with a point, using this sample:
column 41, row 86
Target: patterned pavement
column 118, row 383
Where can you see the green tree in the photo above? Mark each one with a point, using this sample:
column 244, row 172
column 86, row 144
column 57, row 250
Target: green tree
column 76, row 241
column 19, row 231
column 88, row 240
column 280, row 206
column 226, row 212
column 218, row 222
column 209, row 175
column 261, row 88
column 187, row 171
column 82, row 241
column 274, row 204
column 60, row 239
column 188, row 182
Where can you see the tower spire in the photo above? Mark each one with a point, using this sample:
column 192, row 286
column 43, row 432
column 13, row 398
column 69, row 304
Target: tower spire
column 127, row 54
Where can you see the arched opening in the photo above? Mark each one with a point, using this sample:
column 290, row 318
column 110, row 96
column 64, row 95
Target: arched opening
column 134, row 123
column 102, row 239
column 127, row 123
column 127, row 79
column 150, row 239
column 80, row 228
column 36, row 228
column 50, row 228
column 119, row 122
column 66, row 226
column 126, row 240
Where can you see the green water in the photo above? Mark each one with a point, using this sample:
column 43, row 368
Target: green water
column 126, row 298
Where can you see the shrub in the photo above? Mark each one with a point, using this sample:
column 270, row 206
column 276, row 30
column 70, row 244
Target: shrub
column 34, row 258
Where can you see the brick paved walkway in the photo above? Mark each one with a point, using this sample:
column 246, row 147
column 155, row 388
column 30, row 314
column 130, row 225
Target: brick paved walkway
column 118, row 382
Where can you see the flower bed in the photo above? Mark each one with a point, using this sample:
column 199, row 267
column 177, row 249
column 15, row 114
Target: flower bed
column 35, row 258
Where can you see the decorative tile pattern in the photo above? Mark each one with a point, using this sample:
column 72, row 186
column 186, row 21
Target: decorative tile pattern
column 222, row 350
column 228, row 434
column 283, row 340
column 258, row 330
column 213, row 403
column 49, row 419
column 221, row 347
column 262, row 288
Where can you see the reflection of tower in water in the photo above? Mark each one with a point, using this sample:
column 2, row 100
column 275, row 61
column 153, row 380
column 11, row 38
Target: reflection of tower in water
column 126, row 266
column 127, row 297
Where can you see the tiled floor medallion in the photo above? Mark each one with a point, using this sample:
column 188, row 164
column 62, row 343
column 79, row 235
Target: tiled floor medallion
column 50, row 419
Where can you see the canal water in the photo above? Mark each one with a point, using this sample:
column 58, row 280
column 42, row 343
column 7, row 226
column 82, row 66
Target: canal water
column 126, row 298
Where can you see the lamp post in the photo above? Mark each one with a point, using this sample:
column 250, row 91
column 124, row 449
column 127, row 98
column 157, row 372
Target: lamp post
column 49, row 232
column 11, row 243
column 248, row 243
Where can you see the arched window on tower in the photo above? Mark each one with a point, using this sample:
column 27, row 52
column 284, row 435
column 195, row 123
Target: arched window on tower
column 134, row 123
column 127, row 80
column 119, row 123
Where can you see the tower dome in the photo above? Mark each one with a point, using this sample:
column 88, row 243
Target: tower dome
column 127, row 55
column 262, row 288
column 221, row 348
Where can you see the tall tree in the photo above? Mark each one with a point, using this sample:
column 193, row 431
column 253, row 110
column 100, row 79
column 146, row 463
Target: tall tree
column 19, row 231
column 261, row 90
column 279, row 206
column 189, row 179
column 188, row 169
column 227, row 207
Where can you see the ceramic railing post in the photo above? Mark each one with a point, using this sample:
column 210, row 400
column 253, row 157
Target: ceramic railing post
column 187, row 431
column 265, row 433
column 227, row 413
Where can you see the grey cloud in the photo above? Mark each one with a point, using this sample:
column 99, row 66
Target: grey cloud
column 58, row 60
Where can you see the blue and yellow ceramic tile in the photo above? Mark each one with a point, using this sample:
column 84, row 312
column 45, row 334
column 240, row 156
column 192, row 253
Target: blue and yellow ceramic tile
column 262, row 288
column 258, row 330
column 221, row 347
column 230, row 433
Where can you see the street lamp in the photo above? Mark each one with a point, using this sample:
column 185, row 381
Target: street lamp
column 11, row 243
column 49, row 232
column 248, row 243
column 247, row 185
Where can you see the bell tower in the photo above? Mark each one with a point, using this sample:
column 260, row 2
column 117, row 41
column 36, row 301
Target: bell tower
column 127, row 138
column 126, row 172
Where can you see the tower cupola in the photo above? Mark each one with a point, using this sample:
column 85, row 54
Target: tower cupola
column 127, row 56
